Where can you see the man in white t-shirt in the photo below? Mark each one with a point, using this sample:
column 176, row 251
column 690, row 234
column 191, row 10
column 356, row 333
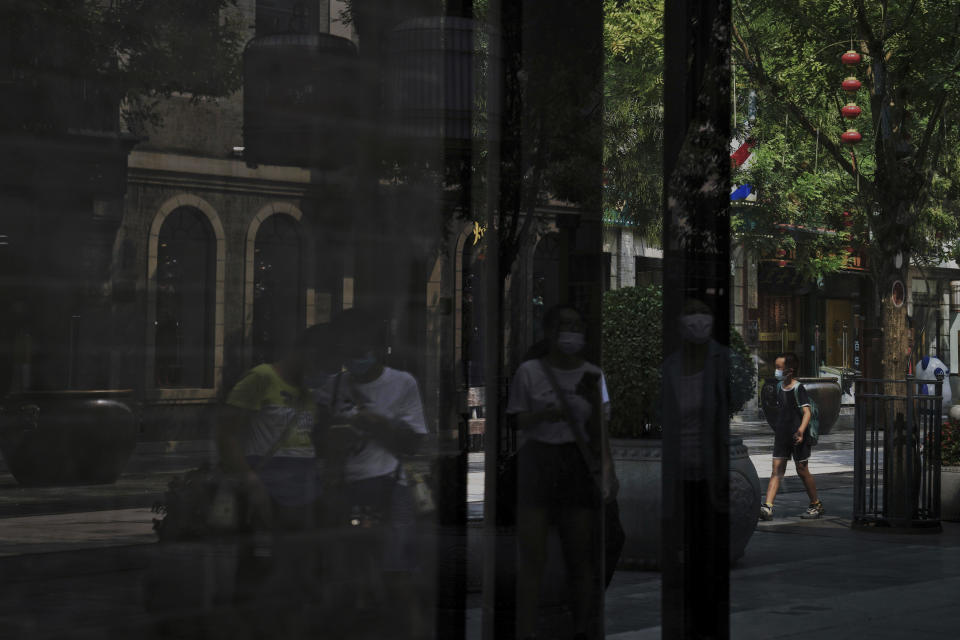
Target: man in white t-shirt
column 371, row 417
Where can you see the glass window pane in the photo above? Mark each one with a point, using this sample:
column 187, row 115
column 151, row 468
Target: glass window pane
column 278, row 293
column 184, row 333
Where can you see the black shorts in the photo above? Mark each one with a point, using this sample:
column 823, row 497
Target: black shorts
column 554, row 476
column 784, row 449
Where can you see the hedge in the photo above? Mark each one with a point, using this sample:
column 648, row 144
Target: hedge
column 633, row 356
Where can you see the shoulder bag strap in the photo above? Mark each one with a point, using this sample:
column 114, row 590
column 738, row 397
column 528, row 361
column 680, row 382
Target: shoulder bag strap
column 336, row 392
column 588, row 457
column 275, row 446
column 291, row 423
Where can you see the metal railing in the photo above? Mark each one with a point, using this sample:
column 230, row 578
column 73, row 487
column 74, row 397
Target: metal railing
column 897, row 429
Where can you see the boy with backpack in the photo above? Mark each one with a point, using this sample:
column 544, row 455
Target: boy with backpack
column 794, row 436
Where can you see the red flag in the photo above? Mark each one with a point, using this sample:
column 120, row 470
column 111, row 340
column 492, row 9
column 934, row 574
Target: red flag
column 740, row 156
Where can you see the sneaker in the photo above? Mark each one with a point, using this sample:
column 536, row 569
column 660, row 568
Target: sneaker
column 814, row 511
column 766, row 511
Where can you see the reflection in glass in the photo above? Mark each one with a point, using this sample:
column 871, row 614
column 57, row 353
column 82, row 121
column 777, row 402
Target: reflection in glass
column 278, row 306
column 186, row 263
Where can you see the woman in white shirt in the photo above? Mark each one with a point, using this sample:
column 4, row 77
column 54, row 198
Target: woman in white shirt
column 557, row 483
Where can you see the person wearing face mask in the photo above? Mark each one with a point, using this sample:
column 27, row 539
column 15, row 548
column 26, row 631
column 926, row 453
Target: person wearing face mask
column 371, row 418
column 694, row 380
column 565, row 472
column 791, row 439
column 378, row 408
column 694, row 413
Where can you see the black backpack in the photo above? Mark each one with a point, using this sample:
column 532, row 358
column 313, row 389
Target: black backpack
column 813, row 429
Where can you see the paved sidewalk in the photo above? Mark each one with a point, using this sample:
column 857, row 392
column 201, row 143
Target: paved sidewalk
column 76, row 558
column 833, row 455
column 75, row 531
column 823, row 580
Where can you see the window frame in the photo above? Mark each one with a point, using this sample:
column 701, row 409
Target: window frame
column 152, row 391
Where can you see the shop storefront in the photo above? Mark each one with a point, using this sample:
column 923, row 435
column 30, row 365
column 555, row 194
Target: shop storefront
column 823, row 322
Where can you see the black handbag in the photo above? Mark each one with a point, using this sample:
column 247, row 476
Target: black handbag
column 207, row 501
column 193, row 506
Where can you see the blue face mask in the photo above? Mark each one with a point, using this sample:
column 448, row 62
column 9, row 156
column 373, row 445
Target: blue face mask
column 779, row 374
column 361, row 366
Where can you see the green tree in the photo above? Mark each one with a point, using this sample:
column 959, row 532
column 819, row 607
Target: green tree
column 71, row 63
column 900, row 183
column 633, row 113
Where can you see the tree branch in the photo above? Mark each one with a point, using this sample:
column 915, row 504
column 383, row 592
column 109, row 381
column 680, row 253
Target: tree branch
column 936, row 114
column 906, row 20
column 866, row 30
column 760, row 76
column 935, row 117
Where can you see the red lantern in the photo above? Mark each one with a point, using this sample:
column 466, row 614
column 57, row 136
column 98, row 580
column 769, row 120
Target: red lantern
column 781, row 253
column 782, row 263
column 847, row 222
column 851, row 136
column 851, row 84
column 850, row 58
column 850, row 110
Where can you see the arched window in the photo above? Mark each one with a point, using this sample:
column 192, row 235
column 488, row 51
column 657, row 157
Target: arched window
column 186, row 283
column 278, row 290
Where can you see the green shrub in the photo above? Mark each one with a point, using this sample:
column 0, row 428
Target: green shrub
column 633, row 357
column 743, row 373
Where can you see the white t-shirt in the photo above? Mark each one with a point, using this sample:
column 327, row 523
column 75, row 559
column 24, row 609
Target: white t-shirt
column 394, row 395
column 531, row 391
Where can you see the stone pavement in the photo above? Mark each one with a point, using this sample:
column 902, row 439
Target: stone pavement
column 801, row 579
column 73, row 561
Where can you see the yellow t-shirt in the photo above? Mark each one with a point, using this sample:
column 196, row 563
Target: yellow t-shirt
column 278, row 407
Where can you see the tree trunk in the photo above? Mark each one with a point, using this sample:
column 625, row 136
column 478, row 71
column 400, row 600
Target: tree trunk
column 893, row 319
column 891, row 268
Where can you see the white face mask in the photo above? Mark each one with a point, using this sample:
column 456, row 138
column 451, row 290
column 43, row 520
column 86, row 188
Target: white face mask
column 696, row 327
column 570, row 342
column 361, row 366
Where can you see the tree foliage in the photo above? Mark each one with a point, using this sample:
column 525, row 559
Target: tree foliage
column 633, row 113
column 901, row 179
column 135, row 51
column 899, row 183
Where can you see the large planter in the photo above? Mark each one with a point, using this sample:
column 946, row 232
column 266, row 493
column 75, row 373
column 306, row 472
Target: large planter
column 950, row 494
column 825, row 392
column 67, row 437
column 638, row 465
